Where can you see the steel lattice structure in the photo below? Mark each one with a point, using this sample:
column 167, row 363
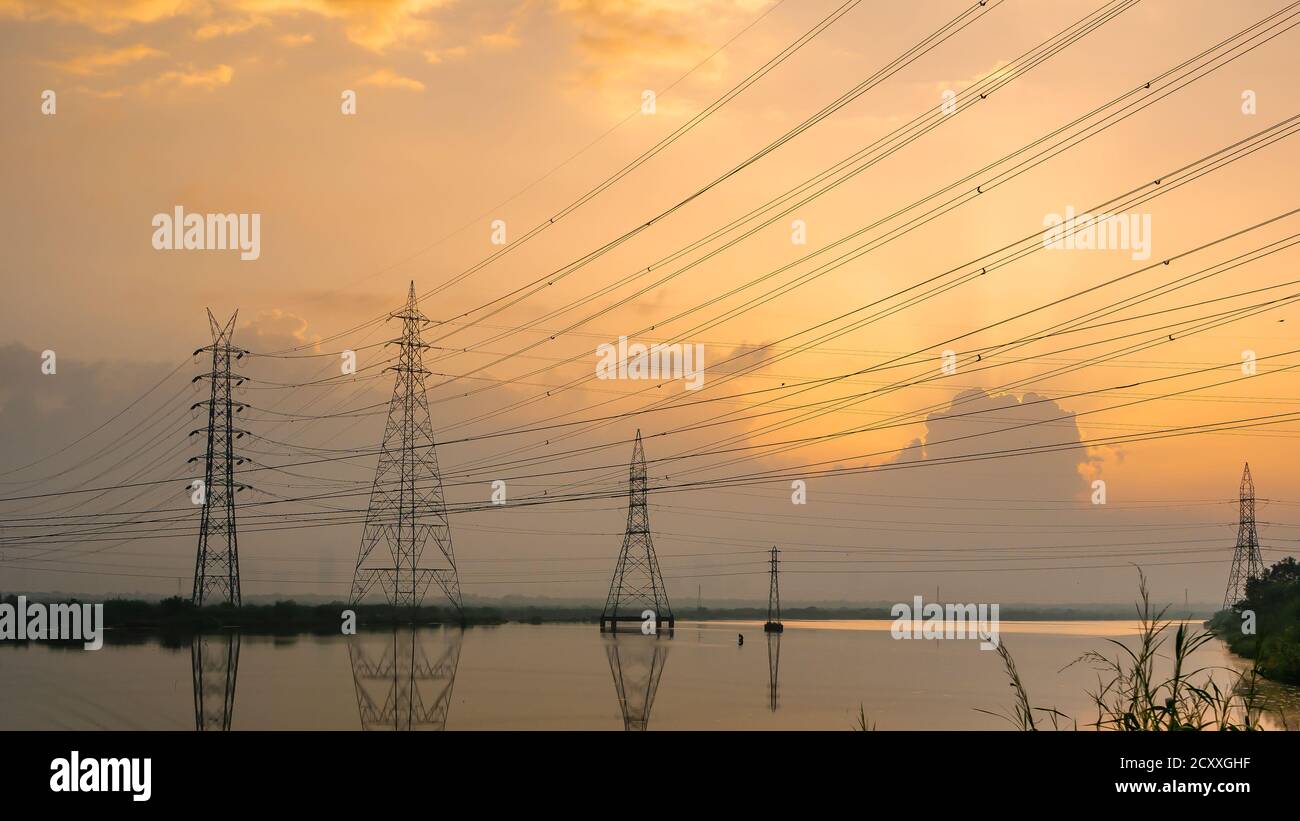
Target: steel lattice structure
column 637, row 585
column 216, row 566
column 404, row 690
column 407, row 505
column 773, row 624
column 215, row 659
column 1247, row 563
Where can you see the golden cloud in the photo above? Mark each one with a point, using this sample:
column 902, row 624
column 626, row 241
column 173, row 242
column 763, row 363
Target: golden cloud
column 372, row 24
column 504, row 39
column 276, row 328
column 387, row 78
column 194, row 78
column 101, row 15
column 225, row 29
column 292, row 40
column 634, row 39
column 98, row 62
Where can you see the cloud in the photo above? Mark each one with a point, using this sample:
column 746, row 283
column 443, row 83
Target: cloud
column 505, row 39
column 209, row 31
column 387, row 78
column 638, row 43
column 976, row 423
column 660, row 31
column 435, row 56
column 293, row 40
column 100, row 15
column 372, row 24
column 999, row 69
column 40, row 414
column 194, row 78
column 176, row 79
column 274, row 330
column 100, row 61
column 720, row 360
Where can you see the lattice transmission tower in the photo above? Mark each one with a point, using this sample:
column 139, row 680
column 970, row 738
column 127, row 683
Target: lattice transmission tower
column 1247, row 563
column 637, row 585
column 407, row 506
column 773, row 623
column 216, row 567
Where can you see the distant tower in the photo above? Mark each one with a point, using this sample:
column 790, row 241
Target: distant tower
column 1247, row 563
column 773, row 624
column 406, row 500
column 637, row 585
column 216, row 566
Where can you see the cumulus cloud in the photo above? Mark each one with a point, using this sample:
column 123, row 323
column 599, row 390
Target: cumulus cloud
column 274, row 330
column 977, row 423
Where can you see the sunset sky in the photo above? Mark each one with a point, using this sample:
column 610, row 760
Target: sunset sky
column 470, row 112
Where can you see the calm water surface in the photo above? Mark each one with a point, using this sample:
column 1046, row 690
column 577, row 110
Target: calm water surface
column 516, row 676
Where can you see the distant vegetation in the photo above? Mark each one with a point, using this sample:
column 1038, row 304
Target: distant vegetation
column 1274, row 599
column 176, row 615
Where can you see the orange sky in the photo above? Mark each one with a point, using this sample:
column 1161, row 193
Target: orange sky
column 469, row 112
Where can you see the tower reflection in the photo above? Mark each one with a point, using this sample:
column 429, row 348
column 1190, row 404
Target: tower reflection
column 637, row 663
column 397, row 684
column 215, row 663
column 773, row 669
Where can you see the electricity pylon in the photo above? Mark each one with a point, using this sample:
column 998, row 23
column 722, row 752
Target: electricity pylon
column 216, row 567
column 637, row 585
column 1247, row 563
column 406, row 500
column 773, row 624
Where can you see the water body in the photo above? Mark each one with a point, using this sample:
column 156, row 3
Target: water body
column 516, row 676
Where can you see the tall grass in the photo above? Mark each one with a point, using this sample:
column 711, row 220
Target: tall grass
column 1131, row 695
column 1022, row 716
column 863, row 725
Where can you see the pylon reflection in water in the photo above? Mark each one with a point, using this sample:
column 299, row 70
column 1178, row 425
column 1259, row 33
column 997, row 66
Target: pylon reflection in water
column 214, row 660
column 404, row 680
column 636, row 663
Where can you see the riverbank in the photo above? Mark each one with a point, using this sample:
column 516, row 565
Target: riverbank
column 1265, row 626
